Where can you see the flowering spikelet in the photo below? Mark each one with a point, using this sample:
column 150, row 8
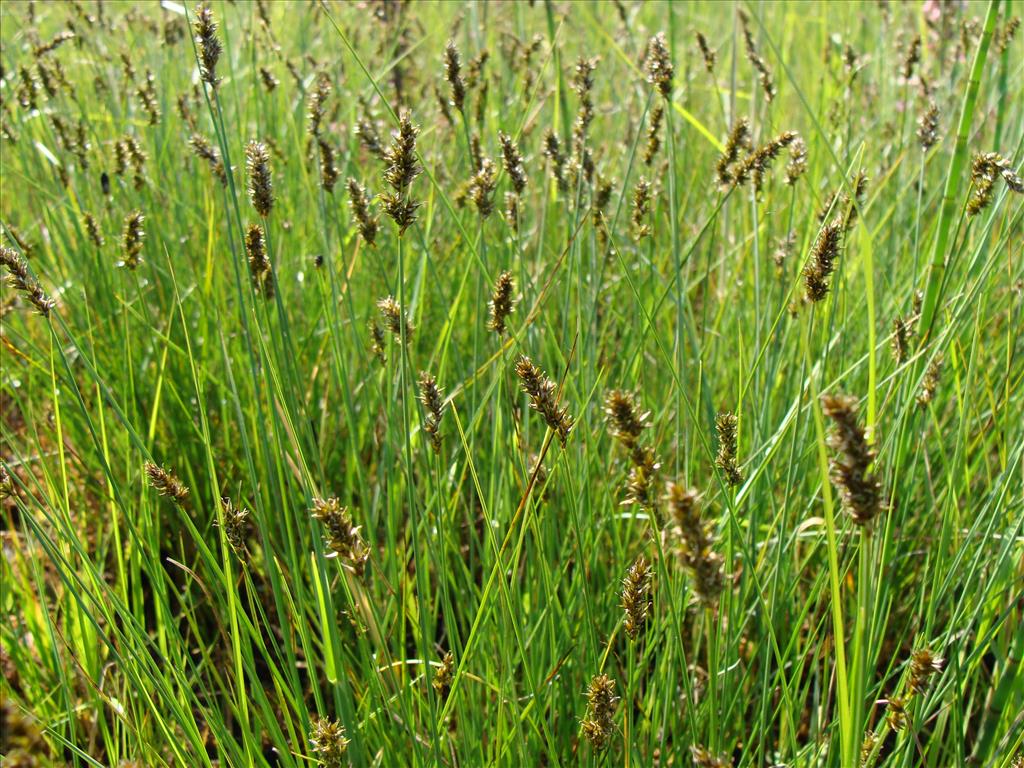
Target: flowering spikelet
column 822, row 261
column 317, row 103
column 340, row 535
column 697, row 542
column 641, row 209
column 359, row 201
column 92, row 229
column 859, row 185
column 442, row 681
column 543, row 397
column 738, row 140
column 329, row 744
column 147, row 96
column 923, row 665
column 208, row 44
column 599, row 724
column 402, row 168
column 928, row 127
column 783, row 250
column 725, row 425
column 369, row 138
column 236, row 526
column 20, row 279
column 553, row 152
column 328, row 171
column 764, row 74
column 259, row 263
column 985, row 169
column 797, row 165
column 53, row 43
column 433, row 402
column 481, row 187
column 911, row 58
column 659, row 65
column 512, row 162
column 452, row 73
column 859, row 489
column 377, row 341
column 706, row 51
column 654, row 133
column 896, row 712
column 636, row 596
column 583, row 84
column 394, row 318
column 902, row 330
column 204, row 150
column 267, row 78
column 166, row 484
column 501, row 304
column 930, row 382
column 132, row 238
column 759, row 162
column 261, row 188
column 626, row 420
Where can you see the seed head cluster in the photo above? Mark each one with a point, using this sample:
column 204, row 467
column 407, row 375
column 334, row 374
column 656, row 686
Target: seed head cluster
column 341, row 536
column 636, row 596
column 695, row 540
column 259, row 262
column 329, row 744
column 544, row 398
column 502, row 303
column 725, row 426
column 166, row 483
column 261, row 188
column 859, row 489
column 21, row 280
column 433, row 404
column 599, row 722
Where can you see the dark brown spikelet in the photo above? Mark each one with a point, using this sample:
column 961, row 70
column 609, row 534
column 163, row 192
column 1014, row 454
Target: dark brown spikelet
column 725, row 460
column 53, row 43
column 930, row 383
column 236, row 526
column 659, row 65
column 797, row 165
column 20, row 279
column 512, row 162
column 859, row 186
column 433, row 403
column 738, row 141
column 267, row 78
column 340, row 535
column 453, row 74
column 896, row 712
column 147, row 97
column 328, row 742
column 764, row 74
column 696, row 542
column 923, row 666
column 369, row 136
column 636, row 596
column 501, row 304
column 481, row 188
column 166, row 484
column 859, row 489
column 654, row 133
column 394, row 318
column 543, row 397
column 706, row 51
column 985, row 169
column 641, row 210
column 261, row 188
column 625, row 418
column 259, row 262
column 442, row 682
column 328, row 170
column 821, row 263
column 204, row 150
column 902, row 331
column 206, row 41
column 359, row 201
column 641, row 488
column 402, row 165
column 15, row 235
column 317, row 106
column 928, row 127
column 1003, row 37
column 911, row 58
column 132, row 238
column 758, row 163
column 599, row 722
column 377, row 342
column 92, row 229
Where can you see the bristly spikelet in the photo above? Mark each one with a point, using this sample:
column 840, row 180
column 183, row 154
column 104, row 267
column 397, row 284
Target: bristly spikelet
column 20, row 279
column 452, row 73
column 725, row 426
column 930, row 382
column 512, row 161
column 132, row 238
column 394, row 318
column 553, row 152
column 659, row 65
column 501, row 304
column 738, row 141
column 641, row 210
column 654, row 133
column 442, row 682
column 641, row 483
column 696, row 542
column 203, row 149
column 147, row 96
column 317, row 106
column 928, row 127
column 822, row 261
column 261, row 188
column 377, row 342
column 543, row 397
column 402, row 169
column 758, row 163
column 859, row 489
column 166, row 484
column 599, row 722
column 340, row 535
column 626, row 419
column 433, row 403
column 636, row 596
column 911, row 58
column 706, row 51
column 359, row 201
column 764, row 74
column 923, row 666
column 328, row 170
column 259, row 263
column 902, row 331
column 797, row 165
column 328, row 742
column 236, row 526
column 92, row 229
column 206, row 41
column 481, row 187
column 985, row 169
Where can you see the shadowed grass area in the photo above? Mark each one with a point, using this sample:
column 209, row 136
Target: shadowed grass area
column 539, row 383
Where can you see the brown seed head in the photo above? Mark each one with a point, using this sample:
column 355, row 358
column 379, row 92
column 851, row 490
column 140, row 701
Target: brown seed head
column 209, row 46
column 261, row 188
column 626, row 419
column 442, row 681
column 328, row 742
column 166, row 484
column 20, row 279
column 706, row 51
column 513, row 162
column 725, row 425
column 394, row 318
column 636, row 596
column 433, row 403
column 859, row 489
column 821, row 263
column 236, row 526
column 543, row 397
column 923, row 666
column 452, row 73
column 501, row 304
column 259, row 262
column 659, row 65
column 359, row 202
column 599, row 723
column 340, row 535
column 132, row 238
column 696, row 541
